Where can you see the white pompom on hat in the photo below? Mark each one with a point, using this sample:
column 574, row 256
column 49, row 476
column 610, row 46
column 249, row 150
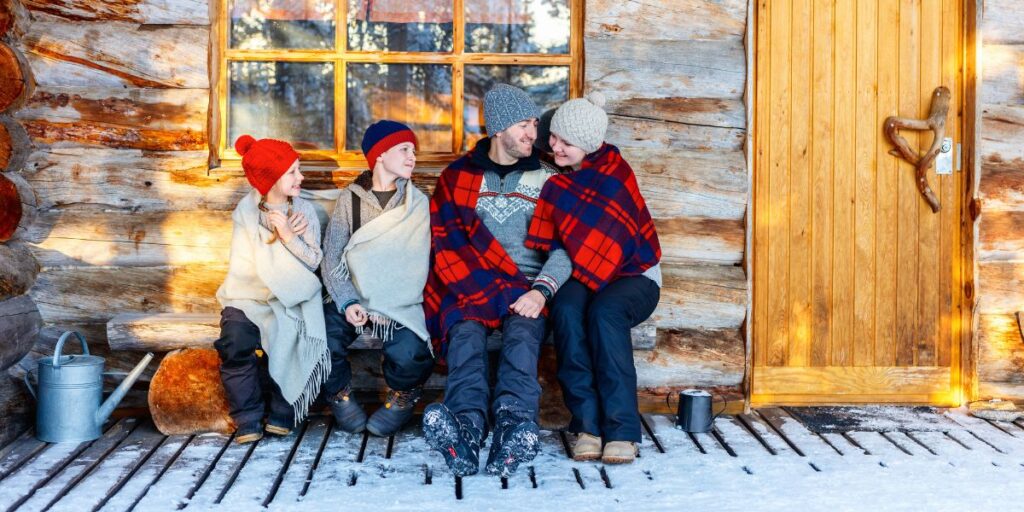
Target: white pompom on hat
column 582, row 122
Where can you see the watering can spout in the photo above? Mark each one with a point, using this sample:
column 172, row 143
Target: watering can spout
column 115, row 398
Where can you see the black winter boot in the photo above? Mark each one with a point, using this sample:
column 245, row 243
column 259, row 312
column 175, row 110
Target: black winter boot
column 455, row 437
column 395, row 413
column 515, row 440
column 348, row 415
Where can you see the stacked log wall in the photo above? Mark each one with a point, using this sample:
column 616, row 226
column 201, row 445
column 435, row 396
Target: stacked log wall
column 131, row 219
column 1000, row 242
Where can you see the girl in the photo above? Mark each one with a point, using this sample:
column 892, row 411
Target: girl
column 271, row 296
column 377, row 253
column 597, row 214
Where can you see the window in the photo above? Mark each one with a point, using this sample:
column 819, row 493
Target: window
column 287, row 71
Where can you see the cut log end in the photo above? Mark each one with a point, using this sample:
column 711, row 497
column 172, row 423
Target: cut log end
column 12, row 81
column 10, row 208
column 6, row 147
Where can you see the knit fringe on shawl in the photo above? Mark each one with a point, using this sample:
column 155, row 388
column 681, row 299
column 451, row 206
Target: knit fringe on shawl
column 321, row 371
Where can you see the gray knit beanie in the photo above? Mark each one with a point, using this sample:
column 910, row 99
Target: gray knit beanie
column 582, row 122
column 505, row 105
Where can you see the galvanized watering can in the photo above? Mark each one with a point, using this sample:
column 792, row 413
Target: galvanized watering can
column 70, row 392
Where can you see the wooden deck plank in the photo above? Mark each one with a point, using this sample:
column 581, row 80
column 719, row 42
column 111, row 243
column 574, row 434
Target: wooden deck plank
column 553, row 469
column 79, row 468
column 988, row 434
column 256, row 478
column 337, row 465
column 113, row 470
column 675, row 441
column 765, row 432
column 300, row 470
column 37, row 471
column 222, row 465
column 18, row 452
column 879, row 447
column 179, row 483
column 811, row 444
column 154, row 468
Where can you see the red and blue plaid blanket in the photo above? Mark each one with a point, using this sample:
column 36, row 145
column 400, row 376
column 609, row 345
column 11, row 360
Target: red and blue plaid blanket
column 471, row 275
column 598, row 215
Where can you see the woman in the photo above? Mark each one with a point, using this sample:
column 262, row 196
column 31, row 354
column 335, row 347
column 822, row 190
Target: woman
column 597, row 214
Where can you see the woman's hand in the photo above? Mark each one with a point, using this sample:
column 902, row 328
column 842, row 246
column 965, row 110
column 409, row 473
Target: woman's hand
column 298, row 223
column 356, row 315
column 530, row 304
column 281, row 225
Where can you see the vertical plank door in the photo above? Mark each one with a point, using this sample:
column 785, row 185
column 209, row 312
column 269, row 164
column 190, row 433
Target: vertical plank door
column 856, row 280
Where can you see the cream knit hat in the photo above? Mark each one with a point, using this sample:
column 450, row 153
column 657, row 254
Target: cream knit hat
column 582, row 122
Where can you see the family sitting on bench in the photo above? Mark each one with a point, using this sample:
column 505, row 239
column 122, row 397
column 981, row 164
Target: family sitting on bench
column 507, row 243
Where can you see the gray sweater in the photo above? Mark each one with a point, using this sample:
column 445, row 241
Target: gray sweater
column 506, row 203
column 340, row 229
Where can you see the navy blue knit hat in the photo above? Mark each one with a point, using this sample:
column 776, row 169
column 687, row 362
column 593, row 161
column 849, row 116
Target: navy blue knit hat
column 384, row 135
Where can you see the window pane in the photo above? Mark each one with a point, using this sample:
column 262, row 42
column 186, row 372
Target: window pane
column 547, row 85
column 400, row 25
column 293, row 101
column 276, row 24
column 517, row 26
column 419, row 95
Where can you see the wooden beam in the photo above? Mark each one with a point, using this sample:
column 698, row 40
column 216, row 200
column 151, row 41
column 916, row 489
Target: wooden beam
column 153, row 12
column 12, row 79
column 19, row 325
column 18, row 270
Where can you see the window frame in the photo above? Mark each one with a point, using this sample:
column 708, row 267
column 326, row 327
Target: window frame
column 223, row 155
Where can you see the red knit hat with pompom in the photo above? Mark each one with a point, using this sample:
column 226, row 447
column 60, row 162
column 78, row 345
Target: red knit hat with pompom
column 264, row 160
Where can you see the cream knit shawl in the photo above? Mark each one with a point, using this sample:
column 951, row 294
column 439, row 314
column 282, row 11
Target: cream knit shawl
column 388, row 259
column 282, row 297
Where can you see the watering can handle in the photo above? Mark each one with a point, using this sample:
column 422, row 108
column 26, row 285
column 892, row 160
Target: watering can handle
column 60, row 346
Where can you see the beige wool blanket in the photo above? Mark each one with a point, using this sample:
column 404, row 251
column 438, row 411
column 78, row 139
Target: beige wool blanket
column 282, row 297
column 388, row 259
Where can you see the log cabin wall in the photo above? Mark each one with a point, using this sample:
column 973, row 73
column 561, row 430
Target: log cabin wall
column 131, row 219
column 1000, row 240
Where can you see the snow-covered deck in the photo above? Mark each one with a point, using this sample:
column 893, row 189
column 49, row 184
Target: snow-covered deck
column 768, row 460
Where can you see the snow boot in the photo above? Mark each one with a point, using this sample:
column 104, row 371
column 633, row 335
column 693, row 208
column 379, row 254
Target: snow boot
column 515, row 441
column 395, row 414
column 619, row 452
column 455, row 437
column 248, row 433
column 348, row 415
column 586, row 447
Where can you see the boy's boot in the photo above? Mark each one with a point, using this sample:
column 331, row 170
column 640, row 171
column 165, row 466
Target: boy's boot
column 395, row 413
column 248, row 432
column 456, row 437
column 348, row 415
column 619, row 452
column 515, row 441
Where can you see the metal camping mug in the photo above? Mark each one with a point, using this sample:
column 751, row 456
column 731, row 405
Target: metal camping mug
column 694, row 411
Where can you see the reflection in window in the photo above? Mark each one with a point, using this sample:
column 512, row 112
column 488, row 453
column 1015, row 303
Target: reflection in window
column 293, row 101
column 280, row 24
column 419, row 95
column 548, row 86
column 400, row 25
column 517, row 26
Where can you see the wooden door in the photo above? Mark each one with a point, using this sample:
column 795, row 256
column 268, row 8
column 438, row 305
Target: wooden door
column 856, row 280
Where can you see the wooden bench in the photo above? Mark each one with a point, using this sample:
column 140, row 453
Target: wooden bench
column 163, row 332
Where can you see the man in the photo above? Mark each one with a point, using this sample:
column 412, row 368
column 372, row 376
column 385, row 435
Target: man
column 483, row 279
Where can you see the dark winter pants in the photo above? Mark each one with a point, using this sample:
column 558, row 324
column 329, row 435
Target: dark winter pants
column 407, row 359
column 595, row 354
column 517, row 391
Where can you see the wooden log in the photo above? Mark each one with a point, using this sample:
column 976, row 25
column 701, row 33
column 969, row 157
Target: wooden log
column 150, row 56
column 19, row 326
column 18, row 270
column 1002, row 129
column 16, row 412
column 701, row 297
column 1000, row 287
column 28, row 202
column 682, row 20
column 1001, row 236
column 55, row 72
column 723, row 113
column 664, row 400
column 155, row 12
column 1002, row 183
column 132, row 179
column 679, row 183
column 6, row 147
column 14, row 145
column 12, row 78
column 628, row 132
column 1003, row 22
column 124, row 238
column 695, row 241
column 96, row 294
column 693, row 358
column 1001, row 80
column 1000, row 357
column 6, row 18
column 10, row 208
column 148, row 119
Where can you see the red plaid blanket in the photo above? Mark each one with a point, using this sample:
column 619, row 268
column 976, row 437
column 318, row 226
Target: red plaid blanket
column 598, row 215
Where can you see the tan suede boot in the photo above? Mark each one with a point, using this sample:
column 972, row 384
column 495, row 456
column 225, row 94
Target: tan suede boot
column 586, row 447
column 619, row 452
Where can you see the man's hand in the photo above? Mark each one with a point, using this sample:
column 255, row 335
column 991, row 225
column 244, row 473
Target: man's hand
column 530, row 304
